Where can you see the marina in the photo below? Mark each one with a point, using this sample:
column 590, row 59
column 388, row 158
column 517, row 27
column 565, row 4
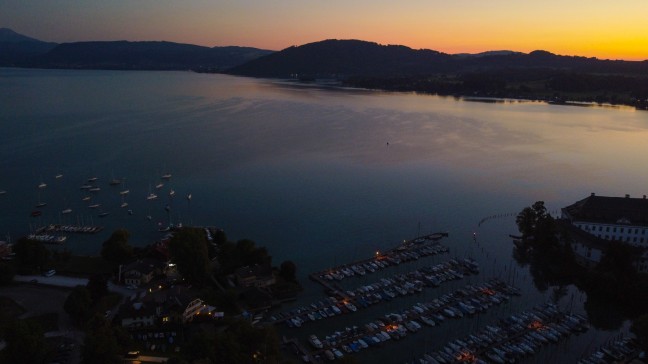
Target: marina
column 385, row 290
column 394, row 326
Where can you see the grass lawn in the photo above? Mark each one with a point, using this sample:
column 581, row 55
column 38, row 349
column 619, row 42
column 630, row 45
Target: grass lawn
column 48, row 321
column 9, row 310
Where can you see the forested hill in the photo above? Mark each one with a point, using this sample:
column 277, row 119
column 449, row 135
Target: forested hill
column 346, row 58
column 339, row 58
column 17, row 50
column 539, row 75
column 145, row 56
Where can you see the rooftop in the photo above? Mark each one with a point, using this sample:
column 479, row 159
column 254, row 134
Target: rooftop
column 613, row 210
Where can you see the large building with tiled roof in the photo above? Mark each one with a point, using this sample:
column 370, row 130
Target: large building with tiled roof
column 611, row 218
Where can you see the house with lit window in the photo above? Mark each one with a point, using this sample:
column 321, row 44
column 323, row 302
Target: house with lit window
column 607, row 220
column 171, row 305
column 141, row 271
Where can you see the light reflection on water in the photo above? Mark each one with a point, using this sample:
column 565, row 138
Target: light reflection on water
column 318, row 175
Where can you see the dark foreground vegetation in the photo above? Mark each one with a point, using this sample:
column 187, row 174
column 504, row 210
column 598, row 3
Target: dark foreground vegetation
column 615, row 290
column 205, row 265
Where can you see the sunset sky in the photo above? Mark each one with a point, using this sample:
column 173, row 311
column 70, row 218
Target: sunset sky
column 595, row 28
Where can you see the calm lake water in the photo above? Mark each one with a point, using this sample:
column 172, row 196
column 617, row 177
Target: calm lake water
column 318, row 175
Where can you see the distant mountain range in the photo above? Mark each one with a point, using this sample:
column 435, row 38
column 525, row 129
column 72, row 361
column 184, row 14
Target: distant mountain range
column 21, row 51
column 537, row 75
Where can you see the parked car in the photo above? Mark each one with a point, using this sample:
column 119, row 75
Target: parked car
column 49, row 273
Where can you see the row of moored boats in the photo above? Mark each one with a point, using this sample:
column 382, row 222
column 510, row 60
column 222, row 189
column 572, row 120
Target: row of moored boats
column 394, row 326
column 382, row 291
column 617, row 351
column 381, row 261
column 512, row 339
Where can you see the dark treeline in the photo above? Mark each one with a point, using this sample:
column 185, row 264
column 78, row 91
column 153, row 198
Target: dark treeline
column 535, row 84
column 615, row 290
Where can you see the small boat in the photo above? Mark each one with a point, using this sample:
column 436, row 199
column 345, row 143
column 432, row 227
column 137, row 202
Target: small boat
column 86, row 187
column 171, row 193
column 58, row 176
column 166, row 176
column 42, row 185
column 94, row 206
column 41, row 204
column 92, row 179
column 189, row 197
column 159, row 185
column 94, row 189
column 114, row 182
column 151, row 196
column 124, row 192
column 130, row 212
column 86, row 198
column 36, row 213
column 104, row 214
column 2, row 192
column 124, row 204
column 66, row 211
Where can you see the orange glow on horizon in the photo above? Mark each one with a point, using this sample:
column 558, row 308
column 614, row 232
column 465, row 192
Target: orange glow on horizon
column 606, row 30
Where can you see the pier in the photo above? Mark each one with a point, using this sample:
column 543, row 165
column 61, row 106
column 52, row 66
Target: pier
column 406, row 251
column 78, row 229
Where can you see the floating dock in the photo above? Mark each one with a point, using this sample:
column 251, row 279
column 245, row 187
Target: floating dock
column 78, row 229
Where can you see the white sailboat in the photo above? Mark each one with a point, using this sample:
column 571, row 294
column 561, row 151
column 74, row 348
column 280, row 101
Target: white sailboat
column 151, row 195
column 40, row 203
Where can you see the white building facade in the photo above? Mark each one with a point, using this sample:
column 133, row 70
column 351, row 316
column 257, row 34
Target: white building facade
column 612, row 219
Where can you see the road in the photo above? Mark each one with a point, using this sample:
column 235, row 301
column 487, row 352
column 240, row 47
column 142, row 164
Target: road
column 40, row 299
column 70, row 282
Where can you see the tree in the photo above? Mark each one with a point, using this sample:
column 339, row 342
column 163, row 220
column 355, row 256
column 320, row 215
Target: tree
column 526, row 221
column 25, row 342
column 31, row 254
column 640, row 328
column 288, row 270
column 116, row 249
column 97, row 286
column 100, row 345
column 6, row 274
column 189, row 252
column 79, row 304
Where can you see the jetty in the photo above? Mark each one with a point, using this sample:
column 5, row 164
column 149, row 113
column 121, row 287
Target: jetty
column 79, row 229
column 408, row 250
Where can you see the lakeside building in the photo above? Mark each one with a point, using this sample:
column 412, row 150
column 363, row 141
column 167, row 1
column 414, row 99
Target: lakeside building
column 259, row 275
column 605, row 220
column 141, row 271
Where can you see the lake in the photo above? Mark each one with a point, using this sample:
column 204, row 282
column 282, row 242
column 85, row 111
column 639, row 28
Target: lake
column 319, row 175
